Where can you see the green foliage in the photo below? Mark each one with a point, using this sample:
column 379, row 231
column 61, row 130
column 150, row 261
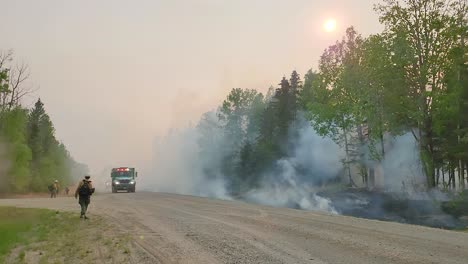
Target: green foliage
column 411, row 78
column 423, row 37
column 240, row 114
column 19, row 153
column 33, row 156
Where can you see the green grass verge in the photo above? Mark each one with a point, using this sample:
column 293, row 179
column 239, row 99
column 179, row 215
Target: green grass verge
column 21, row 226
column 59, row 237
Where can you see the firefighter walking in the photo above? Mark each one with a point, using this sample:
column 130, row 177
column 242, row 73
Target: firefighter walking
column 83, row 192
column 54, row 189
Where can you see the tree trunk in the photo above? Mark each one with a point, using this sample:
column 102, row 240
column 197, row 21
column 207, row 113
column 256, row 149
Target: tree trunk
column 363, row 167
column 382, row 145
column 443, row 178
column 372, row 177
column 425, row 150
column 466, row 166
column 428, row 166
column 347, row 161
column 461, row 175
column 452, row 175
column 462, row 44
column 348, row 167
column 449, row 184
column 364, row 175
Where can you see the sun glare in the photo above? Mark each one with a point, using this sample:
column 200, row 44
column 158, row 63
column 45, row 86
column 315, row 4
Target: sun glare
column 330, row 25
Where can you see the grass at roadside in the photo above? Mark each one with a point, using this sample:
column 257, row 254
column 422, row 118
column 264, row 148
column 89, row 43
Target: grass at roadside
column 45, row 236
column 17, row 226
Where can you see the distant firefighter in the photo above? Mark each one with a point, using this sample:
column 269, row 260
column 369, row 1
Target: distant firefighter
column 54, row 189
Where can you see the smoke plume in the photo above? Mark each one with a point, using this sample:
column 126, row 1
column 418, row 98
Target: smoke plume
column 295, row 180
column 186, row 161
column 179, row 165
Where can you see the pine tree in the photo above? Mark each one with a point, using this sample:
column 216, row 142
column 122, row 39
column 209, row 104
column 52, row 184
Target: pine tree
column 296, row 89
column 34, row 131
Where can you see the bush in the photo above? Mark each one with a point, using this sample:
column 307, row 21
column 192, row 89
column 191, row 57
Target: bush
column 458, row 206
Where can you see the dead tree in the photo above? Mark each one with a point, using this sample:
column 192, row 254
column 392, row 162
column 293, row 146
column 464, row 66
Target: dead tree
column 18, row 75
column 13, row 84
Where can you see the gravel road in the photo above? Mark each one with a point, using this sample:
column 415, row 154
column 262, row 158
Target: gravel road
column 184, row 229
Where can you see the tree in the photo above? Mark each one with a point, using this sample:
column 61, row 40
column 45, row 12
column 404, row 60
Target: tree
column 239, row 116
column 12, row 82
column 296, row 89
column 424, row 31
column 234, row 113
column 50, row 159
column 308, row 93
column 335, row 111
column 34, row 157
column 13, row 135
column 34, row 130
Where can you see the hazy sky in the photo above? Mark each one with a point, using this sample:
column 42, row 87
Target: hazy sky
column 116, row 74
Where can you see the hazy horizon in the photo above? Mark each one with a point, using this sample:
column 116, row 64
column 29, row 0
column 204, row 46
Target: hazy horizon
column 115, row 75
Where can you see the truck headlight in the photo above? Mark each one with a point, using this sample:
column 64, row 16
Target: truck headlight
column 116, row 182
column 132, row 182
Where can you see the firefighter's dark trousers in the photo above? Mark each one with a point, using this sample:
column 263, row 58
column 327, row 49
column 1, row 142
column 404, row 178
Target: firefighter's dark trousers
column 84, row 202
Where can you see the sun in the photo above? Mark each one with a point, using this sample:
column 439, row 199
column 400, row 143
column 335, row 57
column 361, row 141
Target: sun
column 330, row 25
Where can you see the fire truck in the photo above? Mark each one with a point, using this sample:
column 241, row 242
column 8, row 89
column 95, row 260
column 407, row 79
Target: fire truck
column 123, row 179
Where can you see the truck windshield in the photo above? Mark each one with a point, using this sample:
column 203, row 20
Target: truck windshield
column 122, row 174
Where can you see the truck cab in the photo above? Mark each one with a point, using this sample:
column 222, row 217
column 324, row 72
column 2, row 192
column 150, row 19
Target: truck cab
column 123, row 179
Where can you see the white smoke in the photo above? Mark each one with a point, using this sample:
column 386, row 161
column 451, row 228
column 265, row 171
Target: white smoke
column 296, row 179
column 402, row 165
column 182, row 166
column 179, row 166
column 403, row 171
column 190, row 161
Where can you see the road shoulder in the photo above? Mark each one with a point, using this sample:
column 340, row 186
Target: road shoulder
column 62, row 237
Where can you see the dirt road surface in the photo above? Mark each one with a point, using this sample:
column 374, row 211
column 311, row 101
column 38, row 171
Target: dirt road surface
column 183, row 229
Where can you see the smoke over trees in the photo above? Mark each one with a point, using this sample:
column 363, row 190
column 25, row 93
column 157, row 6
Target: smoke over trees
column 31, row 156
column 410, row 81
